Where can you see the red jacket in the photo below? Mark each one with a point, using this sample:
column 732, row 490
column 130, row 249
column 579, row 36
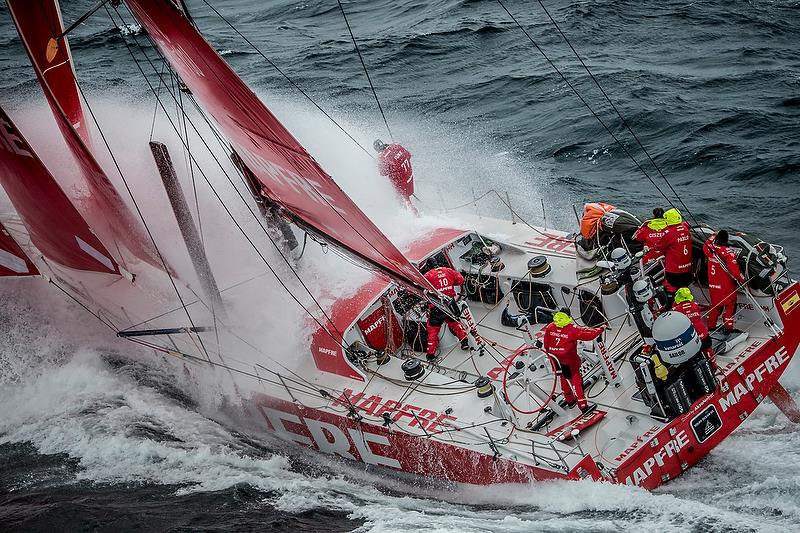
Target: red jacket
column 562, row 343
column 676, row 243
column 692, row 310
column 395, row 162
column 444, row 280
column 721, row 283
column 649, row 237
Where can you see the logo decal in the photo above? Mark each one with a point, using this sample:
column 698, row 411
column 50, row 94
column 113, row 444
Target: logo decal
column 706, row 423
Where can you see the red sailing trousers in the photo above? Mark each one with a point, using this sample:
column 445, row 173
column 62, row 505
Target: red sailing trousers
column 572, row 387
column 724, row 304
column 433, row 334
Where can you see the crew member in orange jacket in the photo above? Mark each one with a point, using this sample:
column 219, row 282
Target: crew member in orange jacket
column 676, row 244
column 650, row 232
column 394, row 161
column 444, row 279
column 561, row 338
column 684, row 303
column 723, row 275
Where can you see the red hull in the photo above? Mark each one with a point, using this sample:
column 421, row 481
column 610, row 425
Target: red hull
column 662, row 456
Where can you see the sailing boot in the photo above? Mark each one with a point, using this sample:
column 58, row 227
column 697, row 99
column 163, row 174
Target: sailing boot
column 465, row 343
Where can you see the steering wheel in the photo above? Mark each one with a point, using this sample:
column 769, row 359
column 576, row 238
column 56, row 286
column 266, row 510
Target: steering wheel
column 525, row 374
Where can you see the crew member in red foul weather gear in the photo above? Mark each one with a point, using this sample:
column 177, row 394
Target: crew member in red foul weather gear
column 561, row 338
column 723, row 275
column 676, row 245
column 394, row 161
column 650, row 232
column 444, row 279
column 684, row 303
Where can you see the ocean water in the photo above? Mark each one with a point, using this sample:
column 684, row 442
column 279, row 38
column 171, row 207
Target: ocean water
column 89, row 441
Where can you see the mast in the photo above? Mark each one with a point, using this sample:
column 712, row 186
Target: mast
column 191, row 236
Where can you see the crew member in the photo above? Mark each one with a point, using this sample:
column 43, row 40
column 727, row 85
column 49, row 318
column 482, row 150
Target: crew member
column 676, row 245
column 684, row 303
column 561, row 338
column 723, row 275
column 394, row 161
column 650, row 232
column 444, row 279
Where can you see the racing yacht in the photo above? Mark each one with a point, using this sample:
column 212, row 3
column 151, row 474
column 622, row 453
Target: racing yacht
column 360, row 386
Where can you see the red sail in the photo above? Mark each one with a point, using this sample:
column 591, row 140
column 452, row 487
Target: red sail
column 287, row 173
column 55, row 226
column 37, row 22
column 13, row 261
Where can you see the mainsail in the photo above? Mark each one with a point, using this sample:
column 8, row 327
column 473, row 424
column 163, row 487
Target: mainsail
column 55, row 226
column 13, row 261
column 38, row 22
column 289, row 176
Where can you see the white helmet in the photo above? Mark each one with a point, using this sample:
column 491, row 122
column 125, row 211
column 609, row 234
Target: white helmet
column 621, row 258
column 642, row 290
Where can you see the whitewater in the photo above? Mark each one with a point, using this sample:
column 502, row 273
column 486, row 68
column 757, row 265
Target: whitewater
column 90, row 426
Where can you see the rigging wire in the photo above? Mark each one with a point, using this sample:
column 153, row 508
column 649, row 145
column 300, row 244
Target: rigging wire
column 282, row 73
column 616, row 139
column 421, row 288
column 141, row 216
column 585, row 103
column 616, row 110
column 130, row 193
column 339, row 341
column 366, row 72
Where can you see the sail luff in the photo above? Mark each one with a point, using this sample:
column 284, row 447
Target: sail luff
column 289, row 176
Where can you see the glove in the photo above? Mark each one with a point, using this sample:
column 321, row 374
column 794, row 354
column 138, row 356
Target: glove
column 661, row 370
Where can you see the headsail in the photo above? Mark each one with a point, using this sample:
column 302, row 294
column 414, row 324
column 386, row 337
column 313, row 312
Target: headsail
column 13, row 261
column 55, row 226
column 288, row 174
column 38, row 22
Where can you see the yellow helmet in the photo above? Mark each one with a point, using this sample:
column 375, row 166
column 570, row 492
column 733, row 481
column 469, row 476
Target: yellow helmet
column 672, row 217
column 683, row 295
column 561, row 319
column 657, row 224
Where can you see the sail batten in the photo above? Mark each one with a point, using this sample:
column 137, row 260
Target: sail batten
column 288, row 175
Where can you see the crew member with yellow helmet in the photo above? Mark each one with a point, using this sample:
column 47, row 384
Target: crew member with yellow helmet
column 650, row 232
column 561, row 338
column 684, row 303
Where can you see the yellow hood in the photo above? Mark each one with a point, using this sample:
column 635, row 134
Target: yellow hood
column 561, row 319
column 656, row 224
column 672, row 217
column 683, row 295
